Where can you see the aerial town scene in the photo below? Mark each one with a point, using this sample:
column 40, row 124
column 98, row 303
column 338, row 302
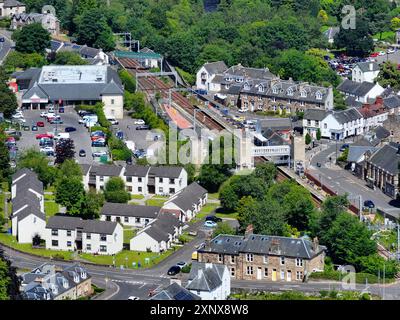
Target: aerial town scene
column 228, row 150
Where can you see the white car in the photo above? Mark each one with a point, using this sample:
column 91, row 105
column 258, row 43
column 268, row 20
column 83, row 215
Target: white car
column 139, row 122
column 18, row 115
column 99, row 154
column 113, row 121
column 43, row 114
column 133, row 298
column 46, row 149
column 391, row 51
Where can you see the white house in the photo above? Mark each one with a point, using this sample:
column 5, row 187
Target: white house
column 365, row 72
column 11, row 7
column 188, row 202
column 360, row 91
column 206, row 74
column 158, row 236
column 26, row 180
column 375, row 114
column 129, row 215
column 48, row 21
column 312, row 120
column 136, row 179
column 209, row 281
column 96, row 176
column 91, row 236
column 342, row 124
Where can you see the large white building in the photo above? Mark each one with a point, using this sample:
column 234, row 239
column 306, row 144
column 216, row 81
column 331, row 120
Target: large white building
column 28, row 218
column 342, row 124
column 72, row 85
column 209, row 281
column 90, row 236
column 360, row 91
column 206, row 75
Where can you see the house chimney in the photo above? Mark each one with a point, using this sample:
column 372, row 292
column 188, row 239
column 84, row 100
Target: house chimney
column 315, row 244
column 249, row 230
column 379, row 100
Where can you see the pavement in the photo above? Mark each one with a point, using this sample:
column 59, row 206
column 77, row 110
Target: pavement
column 343, row 181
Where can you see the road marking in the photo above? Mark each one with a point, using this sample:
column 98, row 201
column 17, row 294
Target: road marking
column 142, row 285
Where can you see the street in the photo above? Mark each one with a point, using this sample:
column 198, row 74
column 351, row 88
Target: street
column 343, row 181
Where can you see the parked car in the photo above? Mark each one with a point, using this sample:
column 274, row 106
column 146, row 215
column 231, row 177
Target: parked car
column 120, row 135
column 181, row 264
column 44, row 135
column 133, row 298
column 56, row 121
column 213, row 218
column 99, row 154
column 2, row 39
column 139, row 122
column 26, row 127
column 381, row 53
column 389, row 51
column 374, row 54
column 99, row 143
column 82, row 153
column 344, row 147
column 70, row 129
column 97, row 133
column 113, row 121
column 210, row 224
column 369, row 204
column 40, row 124
column 17, row 116
column 174, row 270
column 43, row 114
column 144, row 127
column 319, row 164
column 61, row 110
column 34, row 128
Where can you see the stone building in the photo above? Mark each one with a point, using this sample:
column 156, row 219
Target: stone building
column 263, row 257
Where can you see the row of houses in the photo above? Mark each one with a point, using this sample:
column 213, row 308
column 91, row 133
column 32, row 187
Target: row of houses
column 50, row 282
column 144, row 180
column 253, row 89
column 339, row 125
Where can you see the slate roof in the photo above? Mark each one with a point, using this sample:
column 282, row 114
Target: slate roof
column 355, row 88
column 355, row 152
column 129, row 210
column 381, row 132
column 248, row 73
column 166, row 171
column 23, row 171
column 136, row 171
column 263, row 244
column 28, row 210
column 63, row 222
column 215, row 67
column 347, row 115
column 97, row 226
column 352, row 102
column 85, row 168
column 274, row 139
column 275, row 123
column 175, row 292
column 205, row 276
column 392, row 102
column 112, row 88
column 89, row 226
column 387, row 158
column 12, row 3
column 89, row 52
column 189, row 196
column 165, row 225
column 29, row 181
column 157, row 233
column 314, row 114
column 109, row 170
column 365, row 66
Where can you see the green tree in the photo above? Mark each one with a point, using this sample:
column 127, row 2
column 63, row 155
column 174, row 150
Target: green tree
column 266, row 171
column 308, row 139
column 9, row 280
column 69, row 58
column 248, row 210
column 319, row 134
column 223, row 228
column 331, row 208
column 4, row 159
column 16, row 60
column 69, row 168
column 127, row 80
column 212, row 176
column 389, row 75
column 374, row 263
column 114, row 191
column 8, row 101
column 31, row 38
column 92, row 205
column 65, row 150
column 70, row 193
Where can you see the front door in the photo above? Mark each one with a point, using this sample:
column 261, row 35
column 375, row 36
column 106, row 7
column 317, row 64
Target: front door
column 273, row 274
column 289, row 275
column 118, row 219
column 259, row 273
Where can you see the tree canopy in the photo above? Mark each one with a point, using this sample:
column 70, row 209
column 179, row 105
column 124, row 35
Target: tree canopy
column 31, row 38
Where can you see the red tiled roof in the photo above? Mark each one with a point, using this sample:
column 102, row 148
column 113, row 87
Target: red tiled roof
column 177, row 118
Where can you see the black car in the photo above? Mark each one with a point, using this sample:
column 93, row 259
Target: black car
column 174, row 270
column 34, row 128
column 70, row 129
column 82, row 153
column 143, row 127
column 213, row 218
column 2, row 39
column 369, row 204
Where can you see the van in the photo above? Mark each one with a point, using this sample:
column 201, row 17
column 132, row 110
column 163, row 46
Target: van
column 62, row 135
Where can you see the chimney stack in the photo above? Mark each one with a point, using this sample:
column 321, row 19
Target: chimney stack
column 379, row 100
column 315, row 244
column 249, row 230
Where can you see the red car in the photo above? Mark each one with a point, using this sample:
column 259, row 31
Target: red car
column 94, row 138
column 44, row 135
column 374, row 55
column 40, row 124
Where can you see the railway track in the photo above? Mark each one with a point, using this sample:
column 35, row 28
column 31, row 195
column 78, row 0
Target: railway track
column 153, row 84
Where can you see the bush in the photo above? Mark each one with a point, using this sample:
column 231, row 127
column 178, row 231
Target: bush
column 58, row 256
column 187, row 268
column 127, row 80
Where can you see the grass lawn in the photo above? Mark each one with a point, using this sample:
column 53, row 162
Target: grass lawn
column 27, row 247
column 129, row 234
column 51, row 208
column 231, row 215
column 206, row 210
column 50, row 189
column 214, row 196
column 137, row 196
column 49, row 197
column 159, row 202
column 132, row 256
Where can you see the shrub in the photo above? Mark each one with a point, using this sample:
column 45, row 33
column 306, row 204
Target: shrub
column 187, row 268
column 58, row 256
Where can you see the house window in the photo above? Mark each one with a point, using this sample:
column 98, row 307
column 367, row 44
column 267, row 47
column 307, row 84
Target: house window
column 69, row 243
column 68, row 233
column 126, row 219
column 316, row 123
column 282, row 275
column 265, row 272
column 171, row 180
column 101, row 178
column 232, row 272
column 303, row 93
column 108, row 218
column 259, row 98
column 282, row 261
column 249, row 270
column 220, row 258
column 129, row 188
column 249, row 257
column 318, row 96
column 171, row 190
column 139, row 189
column 128, row 179
column 265, row 259
column 88, row 236
column 139, row 179
column 290, row 92
column 88, row 247
column 103, row 248
column 34, row 219
column 275, row 90
column 54, row 243
column 299, row 275
column 309, row 123
column 146, row 221
column 299, row 262
column 137, row 220
column 103, row 237
column 160, row 189
column 160, row 179
column 325, row 125
column 54, row 232
column 112, row 101
column 261, row 88
column 232, row 259
column 302, row 103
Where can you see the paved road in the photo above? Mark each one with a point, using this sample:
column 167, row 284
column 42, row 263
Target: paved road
column 6, row 46
column 342, row 181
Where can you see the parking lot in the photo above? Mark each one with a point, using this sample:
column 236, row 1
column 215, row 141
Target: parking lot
column 70, row 118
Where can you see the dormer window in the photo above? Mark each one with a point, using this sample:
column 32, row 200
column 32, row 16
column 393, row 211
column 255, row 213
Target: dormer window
column 303, row 93
column 239, row 79
column 318, row 95
column 289, row 92
column 246, row 86
column 275, row 90
column 261, row 88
